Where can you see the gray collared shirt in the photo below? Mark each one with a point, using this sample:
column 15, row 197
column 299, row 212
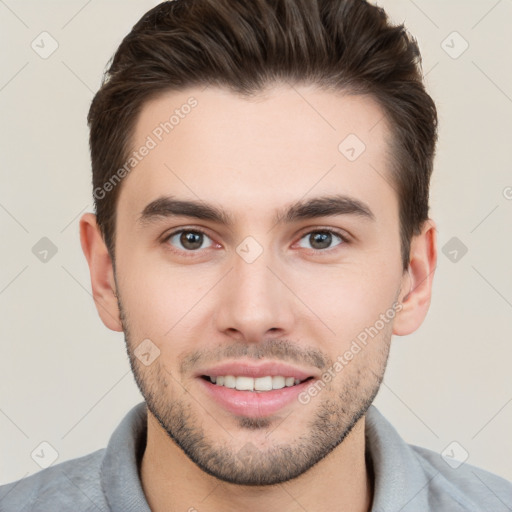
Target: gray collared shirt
column 408, row 478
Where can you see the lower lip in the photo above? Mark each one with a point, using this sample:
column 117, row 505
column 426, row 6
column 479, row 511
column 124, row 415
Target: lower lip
column 250, row 403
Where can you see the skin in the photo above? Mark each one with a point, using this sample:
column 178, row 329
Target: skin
column 299, row 301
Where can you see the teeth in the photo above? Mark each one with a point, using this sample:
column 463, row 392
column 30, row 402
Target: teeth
column 278, row 382
column 230, row 381
column 244, row 383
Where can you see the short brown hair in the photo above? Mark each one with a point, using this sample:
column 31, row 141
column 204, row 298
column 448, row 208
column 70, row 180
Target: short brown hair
column 247, row 45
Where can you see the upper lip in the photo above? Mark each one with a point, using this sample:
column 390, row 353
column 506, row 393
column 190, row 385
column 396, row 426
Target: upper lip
column 246, row 369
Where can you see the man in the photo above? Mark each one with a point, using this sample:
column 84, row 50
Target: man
column 261, row 175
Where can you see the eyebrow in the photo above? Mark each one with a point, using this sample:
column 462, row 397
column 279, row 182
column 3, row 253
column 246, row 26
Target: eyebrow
column 325, row 206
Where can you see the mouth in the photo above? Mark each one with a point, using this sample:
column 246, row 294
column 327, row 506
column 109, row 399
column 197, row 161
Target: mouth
column 237, row 394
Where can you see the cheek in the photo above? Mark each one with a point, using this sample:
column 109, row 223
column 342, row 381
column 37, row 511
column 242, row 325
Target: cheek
column 158, row 297
column 349, row 299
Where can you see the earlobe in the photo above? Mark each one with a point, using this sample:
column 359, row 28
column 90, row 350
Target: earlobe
column 416, row 288
column 101, row 271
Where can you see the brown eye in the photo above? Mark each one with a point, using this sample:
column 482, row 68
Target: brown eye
column 188, row 240
column 322, row 239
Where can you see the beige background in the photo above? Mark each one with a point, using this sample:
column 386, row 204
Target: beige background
column 65, row 378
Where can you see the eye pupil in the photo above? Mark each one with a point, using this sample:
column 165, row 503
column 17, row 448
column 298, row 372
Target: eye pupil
column 191, row 240
column 323, row 238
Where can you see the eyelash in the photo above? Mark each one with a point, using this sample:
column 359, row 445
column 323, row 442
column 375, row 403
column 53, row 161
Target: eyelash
column 192, row 254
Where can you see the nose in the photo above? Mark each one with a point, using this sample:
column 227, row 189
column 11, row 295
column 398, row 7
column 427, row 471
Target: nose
column 254, row 301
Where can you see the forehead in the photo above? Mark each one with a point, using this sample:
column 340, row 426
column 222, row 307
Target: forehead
column 252, row 156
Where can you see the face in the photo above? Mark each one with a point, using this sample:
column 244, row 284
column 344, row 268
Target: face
column 290, row 254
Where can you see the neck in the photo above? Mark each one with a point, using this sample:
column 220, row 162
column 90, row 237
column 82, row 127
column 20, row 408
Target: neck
column 172, row 482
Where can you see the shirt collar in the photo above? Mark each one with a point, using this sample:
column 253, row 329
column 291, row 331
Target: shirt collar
column 399, row 479
column 120, row 477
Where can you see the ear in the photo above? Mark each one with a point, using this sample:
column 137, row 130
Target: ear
column 101, row 270
column 416, row 288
